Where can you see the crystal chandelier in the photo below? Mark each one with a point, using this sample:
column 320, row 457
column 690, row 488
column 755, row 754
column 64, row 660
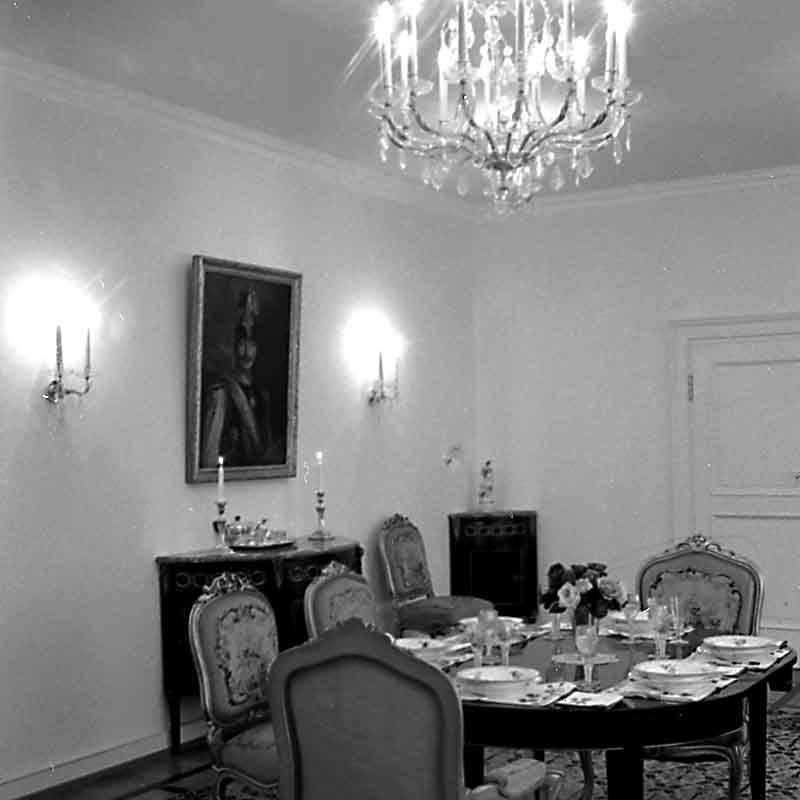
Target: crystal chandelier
column 515, row 97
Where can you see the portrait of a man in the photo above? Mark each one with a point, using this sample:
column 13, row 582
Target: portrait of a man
column 244, row 332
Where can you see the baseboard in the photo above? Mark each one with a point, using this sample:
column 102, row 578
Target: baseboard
column 22, row 785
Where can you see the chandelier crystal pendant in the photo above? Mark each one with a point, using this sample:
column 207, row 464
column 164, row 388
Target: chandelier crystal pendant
column 513, row 99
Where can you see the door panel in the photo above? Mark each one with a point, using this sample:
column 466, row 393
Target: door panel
column 740, row 444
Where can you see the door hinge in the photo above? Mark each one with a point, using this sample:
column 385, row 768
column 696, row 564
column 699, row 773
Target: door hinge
column 690, row 386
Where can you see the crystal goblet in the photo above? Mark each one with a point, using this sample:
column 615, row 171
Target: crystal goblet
column 587, row 641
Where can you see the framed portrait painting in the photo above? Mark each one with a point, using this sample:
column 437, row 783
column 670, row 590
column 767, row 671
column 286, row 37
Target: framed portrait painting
column 244, row 349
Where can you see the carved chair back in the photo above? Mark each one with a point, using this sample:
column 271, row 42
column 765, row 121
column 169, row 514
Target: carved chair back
column 402, row 553
column 337, row 594
column 724, row 592
column 234, row 641
column 356, row 717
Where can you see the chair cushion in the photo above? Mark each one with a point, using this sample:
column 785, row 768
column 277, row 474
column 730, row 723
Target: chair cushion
column 713, row 602
column 253, row 753
column 438, row 614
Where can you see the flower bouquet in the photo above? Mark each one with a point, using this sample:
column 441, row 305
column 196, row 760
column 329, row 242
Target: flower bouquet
column 585, row 590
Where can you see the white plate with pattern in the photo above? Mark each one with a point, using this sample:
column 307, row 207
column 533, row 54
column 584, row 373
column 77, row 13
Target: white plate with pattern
column 675, row 674
column 738, row 648
column 497, row 681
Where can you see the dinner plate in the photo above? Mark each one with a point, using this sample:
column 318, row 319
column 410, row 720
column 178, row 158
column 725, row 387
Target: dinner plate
column 511, row 622
column 736, row 647
column 497, row 681
column 671, row 673
column 422, row 646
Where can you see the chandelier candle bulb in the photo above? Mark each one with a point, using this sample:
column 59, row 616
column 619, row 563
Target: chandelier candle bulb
column 402, row 48
column 413, row 42
column 566, row 33
column 462, row 37
column 383, row 32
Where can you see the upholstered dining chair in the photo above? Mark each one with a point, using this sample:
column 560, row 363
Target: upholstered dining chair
column 234, row 641
column 337, row 594
column 357, row 717
column 402, row 553
column 723, row 593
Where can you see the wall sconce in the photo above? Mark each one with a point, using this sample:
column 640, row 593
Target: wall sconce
column 56, row 390
column 385, row 388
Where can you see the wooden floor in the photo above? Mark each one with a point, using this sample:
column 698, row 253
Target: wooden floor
column 134, row 777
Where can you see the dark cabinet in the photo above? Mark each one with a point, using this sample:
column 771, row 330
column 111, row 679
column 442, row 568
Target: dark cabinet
column 493, row 555
column 282, row 574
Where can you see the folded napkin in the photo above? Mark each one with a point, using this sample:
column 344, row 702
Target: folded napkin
column 519, row 778
column 631, row 687
column 591, row 699
column 537, row 694
column 757, row 664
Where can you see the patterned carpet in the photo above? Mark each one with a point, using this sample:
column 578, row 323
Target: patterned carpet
column 662, row 781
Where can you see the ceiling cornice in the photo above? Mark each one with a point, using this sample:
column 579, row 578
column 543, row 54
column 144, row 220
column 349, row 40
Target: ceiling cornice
column 66, row 86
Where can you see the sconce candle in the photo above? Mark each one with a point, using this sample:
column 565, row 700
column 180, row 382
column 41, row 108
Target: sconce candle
column 87, row 370
column 220, row 481
column 59, row 354
column 318, row 456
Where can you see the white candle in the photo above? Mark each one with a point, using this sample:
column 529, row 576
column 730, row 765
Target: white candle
column 442, row 84
column 520, row 40
column 87, row 369
column 414, row 46
column 220, row 480
column 609, row 51
column 462, row 36
column 59, row 354
column 402, row 46
column 622, row 57
column 567, row 25
column 318, row 456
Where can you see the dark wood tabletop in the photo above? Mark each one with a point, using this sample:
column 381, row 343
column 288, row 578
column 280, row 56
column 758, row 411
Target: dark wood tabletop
column 623, row 730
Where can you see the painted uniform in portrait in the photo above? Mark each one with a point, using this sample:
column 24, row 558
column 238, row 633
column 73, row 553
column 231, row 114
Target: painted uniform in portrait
column 237, row 420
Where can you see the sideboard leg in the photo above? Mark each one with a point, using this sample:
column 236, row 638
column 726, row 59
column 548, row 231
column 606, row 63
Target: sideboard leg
column 174, row 707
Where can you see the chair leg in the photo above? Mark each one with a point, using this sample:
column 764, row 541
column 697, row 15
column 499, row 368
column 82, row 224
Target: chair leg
column 220, row 787
column 735, row 765
column 587, row 766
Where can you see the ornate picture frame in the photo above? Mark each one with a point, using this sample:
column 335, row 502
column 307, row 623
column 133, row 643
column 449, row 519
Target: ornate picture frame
column 242, row 370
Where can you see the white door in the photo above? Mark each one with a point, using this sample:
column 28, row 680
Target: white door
column 736, row 425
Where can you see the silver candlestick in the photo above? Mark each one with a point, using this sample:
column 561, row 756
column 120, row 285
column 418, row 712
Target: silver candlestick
column 321, row 534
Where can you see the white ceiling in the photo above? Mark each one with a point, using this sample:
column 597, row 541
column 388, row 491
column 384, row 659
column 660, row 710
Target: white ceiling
column 721, row 78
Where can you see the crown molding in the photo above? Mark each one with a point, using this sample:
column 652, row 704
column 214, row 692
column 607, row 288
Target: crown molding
column 67, row 86
column 62, row 85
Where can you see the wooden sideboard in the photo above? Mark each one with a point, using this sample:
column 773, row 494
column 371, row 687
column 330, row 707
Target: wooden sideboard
column 493, row 555
column 282, row 574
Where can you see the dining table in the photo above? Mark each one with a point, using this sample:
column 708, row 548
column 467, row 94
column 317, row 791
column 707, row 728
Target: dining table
column 624, row 729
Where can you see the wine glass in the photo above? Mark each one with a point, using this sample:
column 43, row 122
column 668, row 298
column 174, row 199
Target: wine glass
column 660, row 622
column 505, row 633
column 677, row 611
column 630, row 610
column 587, row 640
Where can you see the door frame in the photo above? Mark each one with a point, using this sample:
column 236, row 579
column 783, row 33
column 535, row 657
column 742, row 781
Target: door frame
column 683, row 334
